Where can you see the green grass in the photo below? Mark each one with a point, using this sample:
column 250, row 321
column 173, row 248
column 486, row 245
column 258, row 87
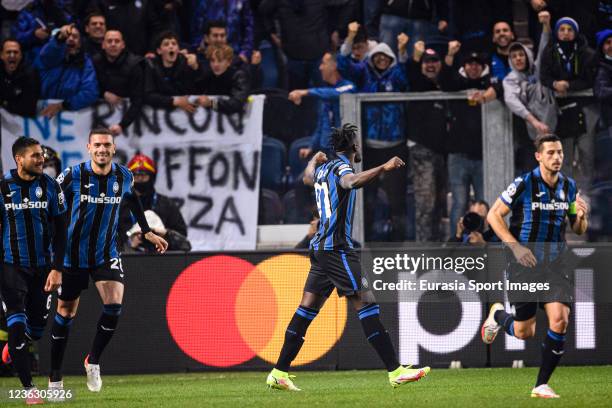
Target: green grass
column 498, row 387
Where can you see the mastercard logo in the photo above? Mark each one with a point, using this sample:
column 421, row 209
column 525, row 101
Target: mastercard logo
column 223, row 311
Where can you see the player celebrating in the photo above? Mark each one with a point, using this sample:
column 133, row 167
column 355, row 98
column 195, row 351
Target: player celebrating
column 334, row 263
column 32, row 207
column 94, row 191
column 540, row 202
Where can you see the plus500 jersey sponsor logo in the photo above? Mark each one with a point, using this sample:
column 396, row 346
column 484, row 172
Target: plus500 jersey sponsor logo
column 27, row 205
column 100, row 200
column 549, row 206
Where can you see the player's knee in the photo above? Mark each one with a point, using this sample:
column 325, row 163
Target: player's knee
column 67, row 309
column 559, row 324
column 524, row 332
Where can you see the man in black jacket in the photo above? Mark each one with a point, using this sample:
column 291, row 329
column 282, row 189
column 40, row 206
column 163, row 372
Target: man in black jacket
column 120, row 75
column 170, row 77
column 19, row 84
column 225, row 79
column 95, row 28
column 427, row 134
column 169, row 222
column 464, row 144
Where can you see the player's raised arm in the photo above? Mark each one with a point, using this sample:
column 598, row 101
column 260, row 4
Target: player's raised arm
column 309, row 173
column 350, row 181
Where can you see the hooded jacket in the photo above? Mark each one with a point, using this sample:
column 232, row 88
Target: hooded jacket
column 68, row 77
column 512, row 81
column 385, row 121
column 583, row 65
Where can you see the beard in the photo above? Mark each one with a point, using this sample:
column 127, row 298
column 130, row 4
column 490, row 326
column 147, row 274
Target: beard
column 32, row 171
column 358, row 157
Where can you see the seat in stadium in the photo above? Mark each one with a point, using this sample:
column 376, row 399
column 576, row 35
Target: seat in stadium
column 270, row 208
column 273, row 163
column 296, row 164
column 296, row 211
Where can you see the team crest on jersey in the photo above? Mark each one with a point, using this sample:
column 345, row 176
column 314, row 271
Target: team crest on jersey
column 60, row 198
column 38, row 192
column 115, row 187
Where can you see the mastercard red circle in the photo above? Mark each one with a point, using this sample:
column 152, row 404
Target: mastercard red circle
column 197, row 311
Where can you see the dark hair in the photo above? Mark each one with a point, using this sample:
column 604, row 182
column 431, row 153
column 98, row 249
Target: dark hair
column 502, row 21
column 100, row 130
column 92, row 15
column 540, row 140
column 343, row 138
column 23, row 143
column 165, row 35
column 480, row 202
column 11, row 39
column 332, row 54
column 215, row 24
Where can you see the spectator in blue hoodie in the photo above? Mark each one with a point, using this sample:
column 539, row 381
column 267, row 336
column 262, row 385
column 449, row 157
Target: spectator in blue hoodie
column 329, row 109
column 36, row 22
column 384, row 133
column 66, row 73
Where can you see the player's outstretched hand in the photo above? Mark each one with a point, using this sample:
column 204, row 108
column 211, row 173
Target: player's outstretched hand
column 160, row 244
column 54, row 281
column 524, row 256
column 394, row 163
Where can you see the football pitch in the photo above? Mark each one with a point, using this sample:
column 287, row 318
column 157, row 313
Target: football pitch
column 495, row 387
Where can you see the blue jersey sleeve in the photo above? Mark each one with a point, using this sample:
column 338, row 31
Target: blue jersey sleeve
column 513, row 194
column 57, row 200
column 343, row 169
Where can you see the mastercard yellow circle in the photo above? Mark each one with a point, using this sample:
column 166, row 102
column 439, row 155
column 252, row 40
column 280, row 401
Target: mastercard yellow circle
column 287, row 274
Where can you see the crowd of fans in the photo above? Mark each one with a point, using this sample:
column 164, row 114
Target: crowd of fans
column 159, row 52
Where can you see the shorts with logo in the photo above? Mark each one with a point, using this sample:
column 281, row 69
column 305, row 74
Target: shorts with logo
column 22, row 290
column 75, row 280
column 340, row 269
column 525, row 304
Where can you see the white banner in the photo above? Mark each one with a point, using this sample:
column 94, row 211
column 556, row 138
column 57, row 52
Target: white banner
column 208, row 162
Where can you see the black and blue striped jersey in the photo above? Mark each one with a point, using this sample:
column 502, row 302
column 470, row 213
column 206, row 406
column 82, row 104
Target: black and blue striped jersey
column 93, row 210
column 26, row 212
column 335, row 204
column 539, row 212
